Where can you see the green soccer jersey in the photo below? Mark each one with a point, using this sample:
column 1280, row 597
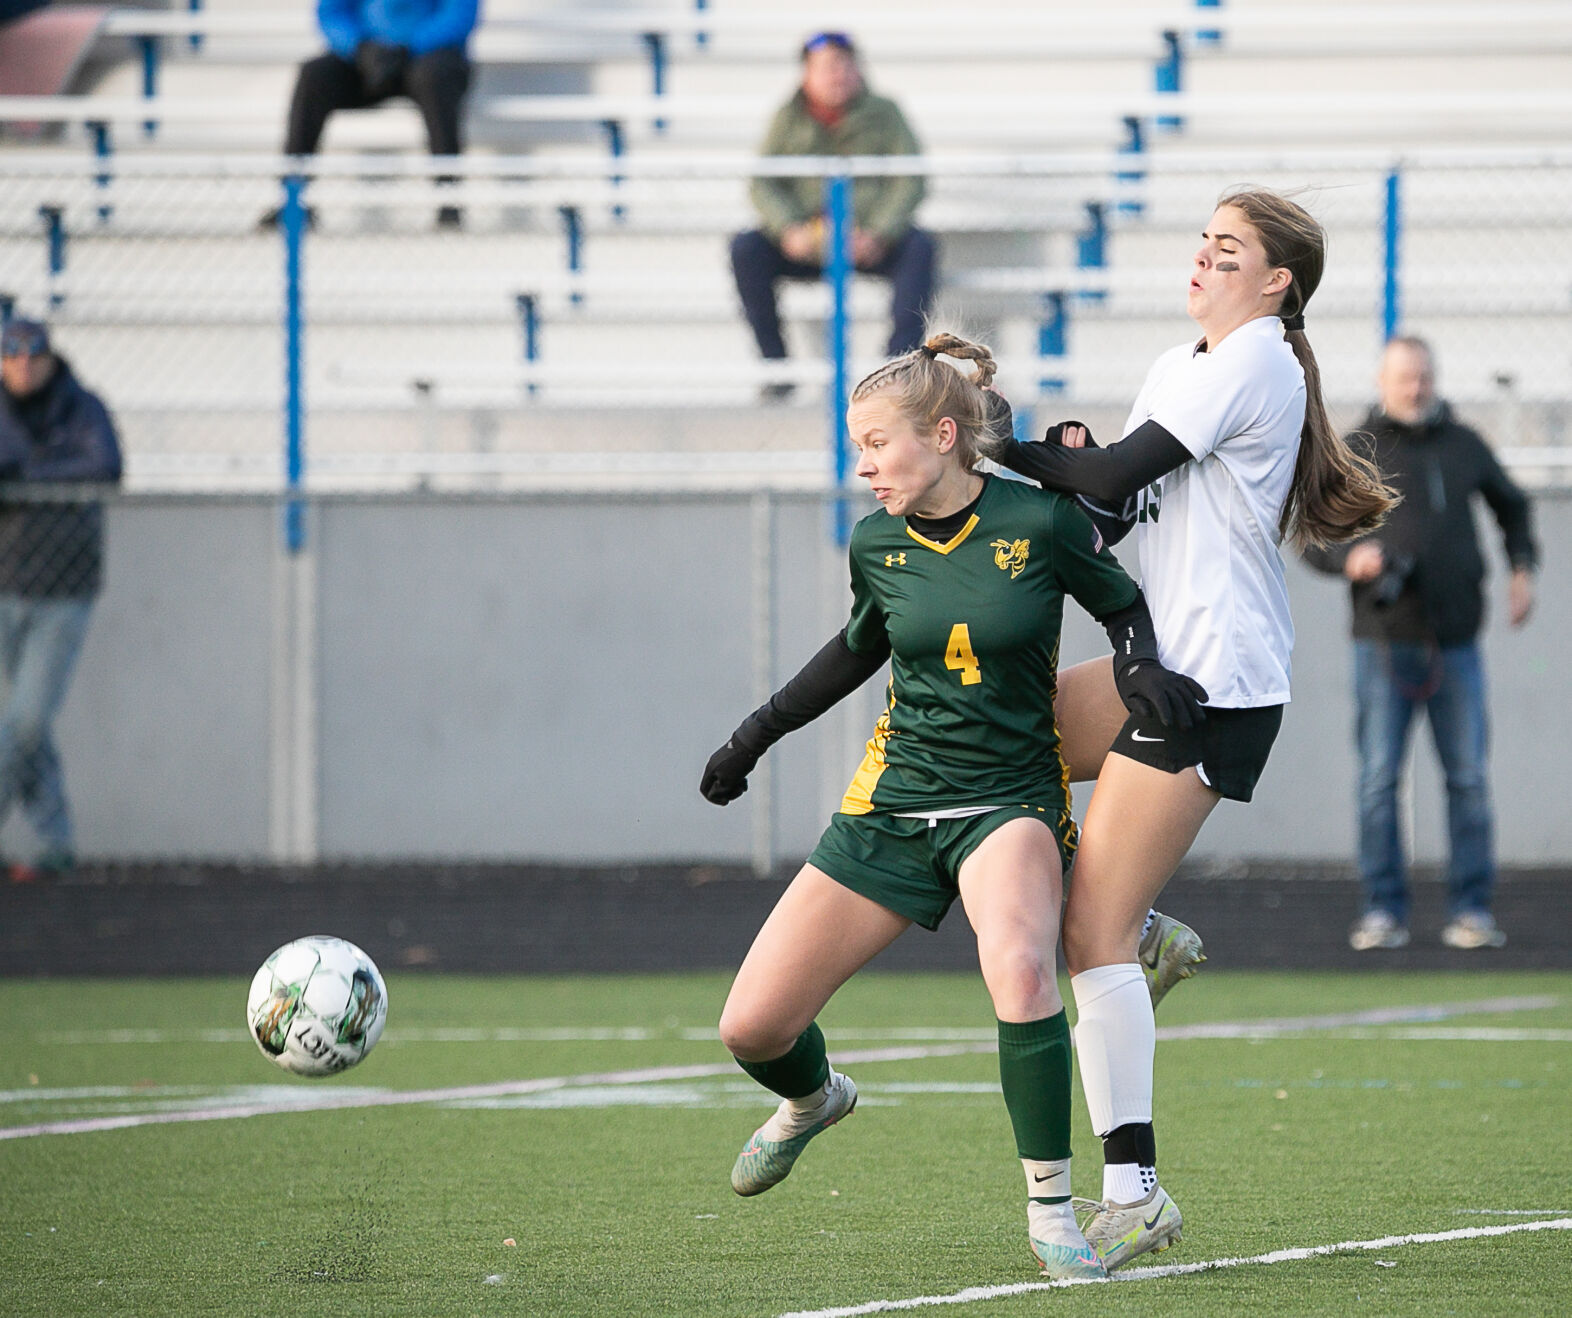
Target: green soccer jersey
column 973, row 629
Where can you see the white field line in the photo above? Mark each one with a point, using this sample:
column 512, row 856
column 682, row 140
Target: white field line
column 1268, row 1028
column 974, row 1294
column 338, row 1100
column 341, row 1099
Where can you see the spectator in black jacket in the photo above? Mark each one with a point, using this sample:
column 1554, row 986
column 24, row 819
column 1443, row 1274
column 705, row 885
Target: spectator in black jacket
column 52, row 430
column 1418, row 606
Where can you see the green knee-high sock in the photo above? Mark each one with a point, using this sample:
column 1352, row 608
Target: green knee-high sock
column 1034, row 1072
column 796, row 1075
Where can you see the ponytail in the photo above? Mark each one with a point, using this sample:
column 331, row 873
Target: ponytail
column 1336, row 494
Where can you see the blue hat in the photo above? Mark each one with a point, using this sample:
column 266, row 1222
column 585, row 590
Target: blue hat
column 23, row 337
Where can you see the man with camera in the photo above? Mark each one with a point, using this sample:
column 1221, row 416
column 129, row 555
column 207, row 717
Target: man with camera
column 1418, row 606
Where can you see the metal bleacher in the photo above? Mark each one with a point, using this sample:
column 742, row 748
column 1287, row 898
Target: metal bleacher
column 584, row 321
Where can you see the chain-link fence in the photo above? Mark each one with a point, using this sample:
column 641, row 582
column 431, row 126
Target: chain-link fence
column 545, row 546
column 545, row 321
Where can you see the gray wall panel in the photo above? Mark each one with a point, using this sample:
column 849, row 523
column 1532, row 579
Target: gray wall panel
column 543, row 679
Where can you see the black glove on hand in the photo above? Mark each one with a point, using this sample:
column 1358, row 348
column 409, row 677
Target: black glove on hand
column 726, row 774
column 381, row 67
column 1055, row 433
column 1151, row 691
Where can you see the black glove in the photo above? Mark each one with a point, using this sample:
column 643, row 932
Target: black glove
column 726, row 774
column 1055, row 433
column 381, row 67
column 1151, row 691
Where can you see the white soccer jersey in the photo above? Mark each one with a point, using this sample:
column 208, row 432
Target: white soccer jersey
column 1210, row 563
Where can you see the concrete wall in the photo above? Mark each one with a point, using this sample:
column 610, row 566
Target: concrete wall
column 543, row 679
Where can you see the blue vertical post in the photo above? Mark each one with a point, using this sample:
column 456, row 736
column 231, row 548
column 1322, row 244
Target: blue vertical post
column 103, row 148
column 838, row 270
column 1131, row 173
column 149, row 46
column 655, row 44
column 294, row 217
column 1168, row 78
column 573, row 240
column 195, row 7
column 529, row 324
column 613, row 130
column 1053, row 339
column 55, row 238
column 1391, row 291
column 701, row 37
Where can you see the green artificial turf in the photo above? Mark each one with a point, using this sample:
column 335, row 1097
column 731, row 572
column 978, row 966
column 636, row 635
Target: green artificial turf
column 615, row 1193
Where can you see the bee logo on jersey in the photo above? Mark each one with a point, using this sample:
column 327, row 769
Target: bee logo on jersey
column 1011, row 557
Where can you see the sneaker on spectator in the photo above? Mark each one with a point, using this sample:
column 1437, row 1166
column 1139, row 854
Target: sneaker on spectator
column 1377, row 929
column 1471, row 929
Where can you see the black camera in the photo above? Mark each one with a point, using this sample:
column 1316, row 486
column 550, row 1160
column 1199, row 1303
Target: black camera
column 1395, row 573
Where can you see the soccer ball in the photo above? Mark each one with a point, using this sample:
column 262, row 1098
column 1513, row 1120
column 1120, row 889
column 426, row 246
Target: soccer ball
column 317, row 1006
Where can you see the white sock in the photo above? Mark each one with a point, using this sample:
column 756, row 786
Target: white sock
column 1053, row 1224
column 1127, row 1182
column 795, row 1115
column 1047, row 1179
column 1115, row 1043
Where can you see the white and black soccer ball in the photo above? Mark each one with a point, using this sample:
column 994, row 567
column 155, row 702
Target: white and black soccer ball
column 317, row 1006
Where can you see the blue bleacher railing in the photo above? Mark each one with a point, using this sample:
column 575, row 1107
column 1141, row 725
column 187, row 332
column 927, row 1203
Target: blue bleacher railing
column 1391, row 309
column 293, row 217
column 838, row 271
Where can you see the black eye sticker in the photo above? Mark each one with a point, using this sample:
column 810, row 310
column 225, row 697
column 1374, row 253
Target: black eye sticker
column 1228, row 267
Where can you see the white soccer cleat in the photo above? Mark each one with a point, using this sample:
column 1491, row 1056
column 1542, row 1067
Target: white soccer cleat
column 1169, row 952
column 765, row 1162
column 1058, row 1245
column 1122, row 1232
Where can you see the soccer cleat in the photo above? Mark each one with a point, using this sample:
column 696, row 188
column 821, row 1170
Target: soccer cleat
column 1377, row 929
column 1471, row 929
column 1122, row 1232
column 765, row 1162
column 1170, row 951
column 1058, row 1245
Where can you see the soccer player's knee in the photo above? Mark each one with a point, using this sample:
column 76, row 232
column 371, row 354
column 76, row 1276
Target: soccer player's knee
column 750, row 1036
column 1019, row 979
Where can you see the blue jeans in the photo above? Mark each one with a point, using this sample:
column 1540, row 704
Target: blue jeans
column 39, row 642
column 1392, row 681
column 909, row 265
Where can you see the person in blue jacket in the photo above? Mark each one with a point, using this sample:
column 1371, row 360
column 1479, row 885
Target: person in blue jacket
column 383, row 48
column 52, row 430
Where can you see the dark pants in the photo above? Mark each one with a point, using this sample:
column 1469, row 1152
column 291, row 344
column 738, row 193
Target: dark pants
column 436, row 82
column 909, row 266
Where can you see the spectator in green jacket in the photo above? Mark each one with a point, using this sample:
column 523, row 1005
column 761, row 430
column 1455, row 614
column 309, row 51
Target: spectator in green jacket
column 834, row 114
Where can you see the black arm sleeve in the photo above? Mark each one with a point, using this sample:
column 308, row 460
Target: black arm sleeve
column 1108, row 475
column 1131, row 632
column 1510, row 505
column 829, row 677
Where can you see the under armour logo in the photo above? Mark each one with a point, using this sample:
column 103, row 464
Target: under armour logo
column 895, row 560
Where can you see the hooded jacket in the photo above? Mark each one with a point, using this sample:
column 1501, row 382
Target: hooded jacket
column 1431, row 588
column 54, row 549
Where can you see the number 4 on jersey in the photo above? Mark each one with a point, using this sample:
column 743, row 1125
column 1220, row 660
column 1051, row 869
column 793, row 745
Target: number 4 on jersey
column 958, row 655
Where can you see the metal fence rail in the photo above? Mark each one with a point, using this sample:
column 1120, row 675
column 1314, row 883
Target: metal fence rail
column 582, row 326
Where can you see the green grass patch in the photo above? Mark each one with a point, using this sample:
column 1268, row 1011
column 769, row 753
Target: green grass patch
column 616, row 1194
